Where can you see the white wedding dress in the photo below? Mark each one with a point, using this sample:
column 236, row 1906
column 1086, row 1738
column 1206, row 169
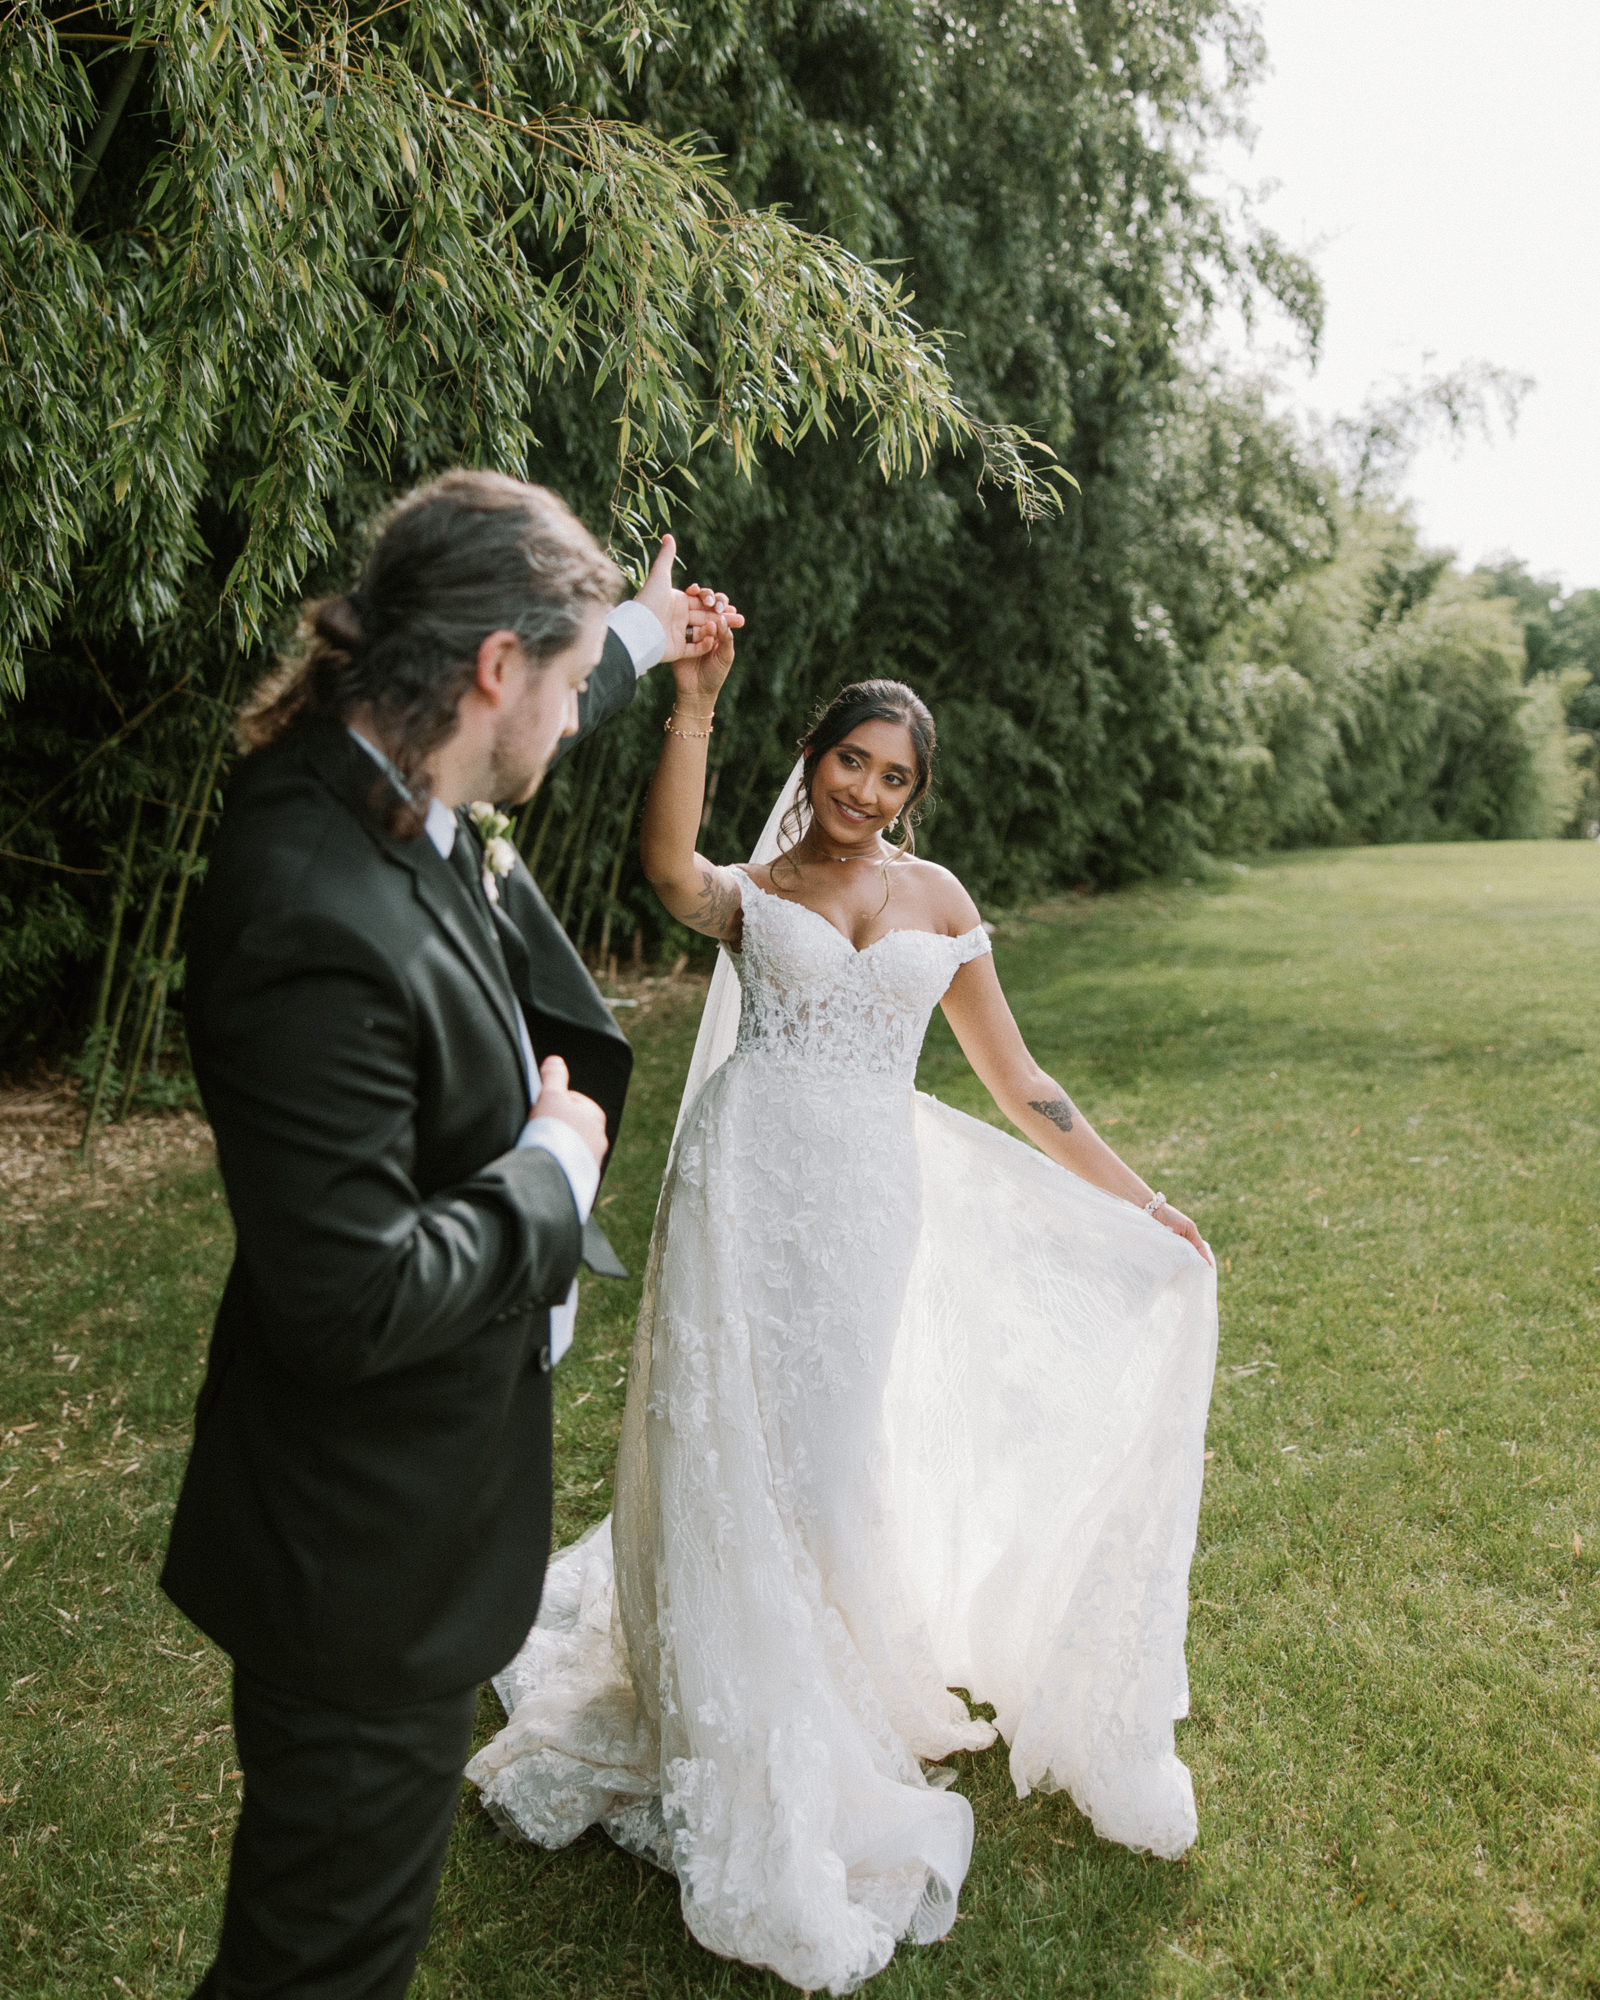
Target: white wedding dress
column 911, row 1408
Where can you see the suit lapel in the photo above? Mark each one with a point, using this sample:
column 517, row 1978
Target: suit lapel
column 566, row 1015
column 350, row 774
column 444, row 898
column 544, row 963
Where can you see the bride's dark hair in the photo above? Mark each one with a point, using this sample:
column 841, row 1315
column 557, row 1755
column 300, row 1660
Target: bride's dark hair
column 863, row 701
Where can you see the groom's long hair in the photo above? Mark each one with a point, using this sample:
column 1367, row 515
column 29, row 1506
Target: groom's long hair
column 469, row 554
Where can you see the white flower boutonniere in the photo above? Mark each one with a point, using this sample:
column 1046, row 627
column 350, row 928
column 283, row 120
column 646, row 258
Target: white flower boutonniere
column 499, row 856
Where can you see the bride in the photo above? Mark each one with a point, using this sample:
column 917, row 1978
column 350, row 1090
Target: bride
column 913, row 1406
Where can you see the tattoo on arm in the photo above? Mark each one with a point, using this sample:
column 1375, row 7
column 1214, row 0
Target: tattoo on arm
column 1057, row 1109
column 716, row 907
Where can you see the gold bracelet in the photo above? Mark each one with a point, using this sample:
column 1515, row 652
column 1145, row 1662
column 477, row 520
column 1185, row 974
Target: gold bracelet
column 688, row 735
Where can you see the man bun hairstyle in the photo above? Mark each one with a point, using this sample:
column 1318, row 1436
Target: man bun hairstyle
column 468, row 554
column 864, row 701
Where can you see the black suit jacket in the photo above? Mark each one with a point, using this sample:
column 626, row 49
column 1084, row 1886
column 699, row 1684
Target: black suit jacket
column 365, row 1514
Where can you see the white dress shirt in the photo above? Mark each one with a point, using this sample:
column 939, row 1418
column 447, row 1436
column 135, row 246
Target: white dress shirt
column 640, row 631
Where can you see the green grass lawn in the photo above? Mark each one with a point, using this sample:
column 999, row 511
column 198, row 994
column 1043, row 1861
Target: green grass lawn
column 1373, row 1078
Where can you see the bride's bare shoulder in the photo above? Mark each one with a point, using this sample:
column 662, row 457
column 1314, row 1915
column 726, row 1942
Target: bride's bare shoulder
column 759, row 872
column 942, row 895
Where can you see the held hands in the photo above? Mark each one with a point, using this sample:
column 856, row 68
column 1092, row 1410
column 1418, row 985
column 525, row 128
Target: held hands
column 700, row 674
column 699, row 625
column 558, row 1100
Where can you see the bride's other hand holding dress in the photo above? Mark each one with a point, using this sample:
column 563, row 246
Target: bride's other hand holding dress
column 911, row 1409
column 1036, row 1104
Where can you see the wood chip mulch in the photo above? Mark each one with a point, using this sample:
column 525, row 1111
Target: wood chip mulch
column 40, row 1172
column 41, row 1122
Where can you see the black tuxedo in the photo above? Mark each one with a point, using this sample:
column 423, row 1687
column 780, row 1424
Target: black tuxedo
column 364, row 1521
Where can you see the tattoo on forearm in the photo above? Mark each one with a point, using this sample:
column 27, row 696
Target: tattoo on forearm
column 1057, row 1109
column 715, row 909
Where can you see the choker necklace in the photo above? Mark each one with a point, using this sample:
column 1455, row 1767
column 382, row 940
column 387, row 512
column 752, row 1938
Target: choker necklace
column 890, row 856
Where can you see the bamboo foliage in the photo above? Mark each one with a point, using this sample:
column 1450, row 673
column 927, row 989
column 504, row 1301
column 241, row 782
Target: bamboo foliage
column 326, row 251
column 358, row 241
column 263, row 264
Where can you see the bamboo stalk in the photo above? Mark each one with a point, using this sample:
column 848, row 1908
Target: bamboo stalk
column 114, row 1033
column 156, row 1004
column 571, row 826
column 158, row 1032
column 532, row 858
column 583, row 825
column 114, row 937
column 116, row 104
column 616, row 866
column 175, row 818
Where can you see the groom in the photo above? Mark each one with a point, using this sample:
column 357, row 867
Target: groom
column 413, row 1083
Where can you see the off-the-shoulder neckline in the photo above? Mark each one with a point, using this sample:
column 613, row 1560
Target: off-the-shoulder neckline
column 860, row 950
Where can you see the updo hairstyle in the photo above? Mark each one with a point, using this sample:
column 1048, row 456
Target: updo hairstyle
column 469, row 554
column 862, row 701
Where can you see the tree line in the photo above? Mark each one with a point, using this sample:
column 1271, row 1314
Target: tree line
column 693, row 271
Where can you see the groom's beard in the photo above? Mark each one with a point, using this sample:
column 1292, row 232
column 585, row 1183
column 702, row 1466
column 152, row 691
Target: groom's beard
column 516, row 770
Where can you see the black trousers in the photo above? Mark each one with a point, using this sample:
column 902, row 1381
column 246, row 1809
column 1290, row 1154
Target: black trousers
column 340, row 1843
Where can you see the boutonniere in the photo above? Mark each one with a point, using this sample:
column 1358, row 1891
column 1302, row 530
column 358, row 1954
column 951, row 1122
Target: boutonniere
column 499, row 856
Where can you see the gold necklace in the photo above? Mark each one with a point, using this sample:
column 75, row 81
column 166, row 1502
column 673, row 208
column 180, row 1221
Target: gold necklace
column 856, row 857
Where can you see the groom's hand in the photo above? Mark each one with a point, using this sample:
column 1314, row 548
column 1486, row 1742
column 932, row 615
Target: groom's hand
column 695, row 622
column 557, row 1100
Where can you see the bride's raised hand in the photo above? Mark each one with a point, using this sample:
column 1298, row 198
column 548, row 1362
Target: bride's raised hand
column 708, row 659
column 696, row 892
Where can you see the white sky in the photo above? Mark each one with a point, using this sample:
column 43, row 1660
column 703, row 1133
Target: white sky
column 1441, row 159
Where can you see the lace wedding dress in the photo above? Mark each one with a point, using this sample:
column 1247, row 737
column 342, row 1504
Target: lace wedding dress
column 910, row 1408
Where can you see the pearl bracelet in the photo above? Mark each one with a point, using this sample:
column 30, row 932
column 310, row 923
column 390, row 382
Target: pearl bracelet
column 688, row 735
column 1156, row 1201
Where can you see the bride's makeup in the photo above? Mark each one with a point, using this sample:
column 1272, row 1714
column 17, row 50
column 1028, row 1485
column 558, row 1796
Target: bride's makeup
column 860, row 786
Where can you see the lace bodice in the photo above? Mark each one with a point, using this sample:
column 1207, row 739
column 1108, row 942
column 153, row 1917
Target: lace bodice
column 811, row 999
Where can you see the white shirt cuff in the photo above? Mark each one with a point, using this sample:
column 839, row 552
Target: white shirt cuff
column 641, row 632
column 572, row 1157
column 563, row 1318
